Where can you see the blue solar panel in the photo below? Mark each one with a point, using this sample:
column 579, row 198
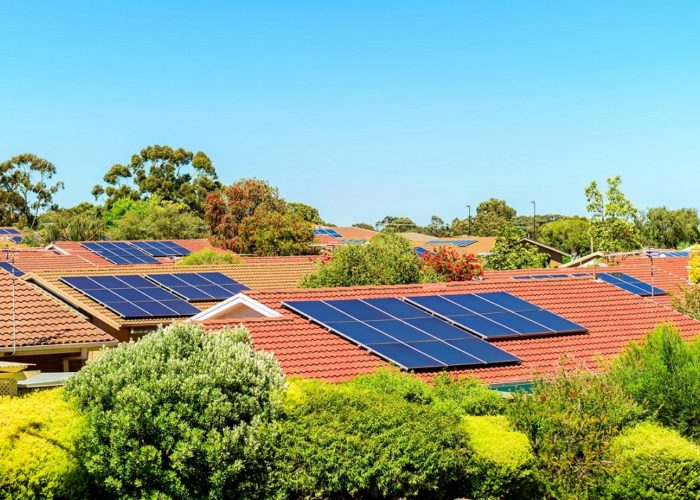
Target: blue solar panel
column 10, row 230
column 420, row 251
column 17, row 239
column 6, row 266
column 458, row 243
column 161, row 248
column 327, row 232
column 401, row 333
column 199, row 286
column 679, row 253
column 119, row 252
column 131, row 296
column 631, row 284
column 549, row 276
column 494, row 315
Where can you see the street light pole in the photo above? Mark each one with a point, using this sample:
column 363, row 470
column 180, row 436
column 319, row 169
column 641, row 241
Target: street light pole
column 534, row 220
column 469, row 218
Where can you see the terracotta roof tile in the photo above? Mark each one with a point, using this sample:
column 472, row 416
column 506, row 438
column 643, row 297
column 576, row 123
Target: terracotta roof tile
column 612, row 316
column 41, row 320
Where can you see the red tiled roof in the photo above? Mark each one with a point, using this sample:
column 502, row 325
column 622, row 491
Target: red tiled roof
column 612, row 316
column 27, row 260
column 41, row 320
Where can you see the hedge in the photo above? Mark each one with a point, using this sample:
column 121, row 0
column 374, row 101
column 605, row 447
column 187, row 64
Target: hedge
column 650, row 461
column 37, row 447
column 503, row 460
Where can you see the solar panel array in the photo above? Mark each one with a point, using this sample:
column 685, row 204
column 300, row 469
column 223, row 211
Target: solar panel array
column 119, row 252
column 549, row 276
column 6, row 266
column 10, row 230
column 458, row 243
column 626, row 282
column 16, row 239
column 420, row 251
column 161, row 248
column 495, row 315
column 670, row 254
column 131, row 296
column 327, row 232
column 401, row 333
column 199, row 286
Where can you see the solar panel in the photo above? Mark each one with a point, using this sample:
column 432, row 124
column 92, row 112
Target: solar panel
column 161, row 248
column 10, row 230
column 495, row 315
column 6, row 266
column 119, row 252
column 17, row 239
column 459, row 243
column 131, row 296
column 670, row 254
column 630, row 284
column 420, row 251
column 327, row 232
column 199, row 286
column 401, row 333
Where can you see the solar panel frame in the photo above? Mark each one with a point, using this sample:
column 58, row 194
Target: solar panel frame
column 397, row 339
column 131, row 296
column 203, row 286
column 11, row 269
column 119, row 252
column 161, row 248
column 501, row 316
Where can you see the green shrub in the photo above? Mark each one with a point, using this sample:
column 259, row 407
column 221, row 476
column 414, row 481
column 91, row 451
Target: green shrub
column 570, row 422
column 350, row 442
column 663, row 374
column 392, row 382
column 649, row 461
column 180, row 414
column 503, row 459
column 687, row 301
column 207, row 257
column 37, row 447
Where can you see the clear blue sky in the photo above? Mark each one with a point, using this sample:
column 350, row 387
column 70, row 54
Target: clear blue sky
column 366, row 108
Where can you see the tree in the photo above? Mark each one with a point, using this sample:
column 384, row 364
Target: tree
column 208, row 257
column 82, row 222
column 160, row 170
column 491, row 216
column 612, row 218
column 450, row 266
column 510, row 252
column 664, row 228
column 227, row 208
column 394, row 224
column 524, row 222
column 570, row 234
column 437, row 227
column 305, row 212
column 388, row 259
column 363, row 225
column 268, row 232
column 24, row 189
column 158, row 219
column 180, row 414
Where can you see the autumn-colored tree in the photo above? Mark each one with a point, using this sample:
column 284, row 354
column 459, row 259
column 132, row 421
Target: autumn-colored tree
column 25, row 189
column 451, row 266
column 161, row 170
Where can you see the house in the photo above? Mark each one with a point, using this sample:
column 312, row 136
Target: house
column 608, row 316
column 39, row 330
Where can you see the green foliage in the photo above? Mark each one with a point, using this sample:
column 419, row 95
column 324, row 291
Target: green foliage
column 524, row 222
column 649, row 461
column 388, row 259
column 267, row 233
column 664, row 228
column 24, row 189
column 119, row 208
column 491, row 216
column 179, row 414
column 363, row 225
column 448, row 265
column 175, row 175
column 503, row 458
column 38, row 433
column 344, row 441
column 304, row 212
column 82, row 222
column 613, row 218
column 509, row 252
column 687, row 301
column 393, row 224
column 694, row 272
column 570, row 234
column 209, row 256
column 663, row 374
column 570, row 422
column 158, row 220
